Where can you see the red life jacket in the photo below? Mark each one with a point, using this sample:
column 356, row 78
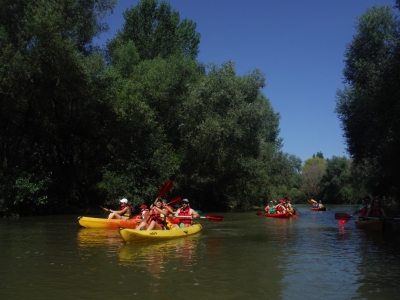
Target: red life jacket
column 280, row 208
column 375, row 211
column 184, row 213
column 156, row 216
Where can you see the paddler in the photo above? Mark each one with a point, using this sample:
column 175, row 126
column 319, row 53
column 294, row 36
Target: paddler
column 155, row 221
column 124, row 213
column 376, row 210
column 187, row 213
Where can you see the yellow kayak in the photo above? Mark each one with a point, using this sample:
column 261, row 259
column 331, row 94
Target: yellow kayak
column 375, row 224
column 132, row 235
column 89, row 222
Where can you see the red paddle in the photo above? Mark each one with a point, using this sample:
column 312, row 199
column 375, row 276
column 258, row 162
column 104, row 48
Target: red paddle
column 165, row 188
column 259, row 213
column 175, row 200
column 342, row 216
column 342, row 222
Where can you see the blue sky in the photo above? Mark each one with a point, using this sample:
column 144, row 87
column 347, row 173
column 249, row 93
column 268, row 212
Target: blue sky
column 298, row 44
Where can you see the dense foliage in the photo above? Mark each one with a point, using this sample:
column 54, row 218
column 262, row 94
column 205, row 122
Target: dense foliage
column 369, row 105
column 83, row 127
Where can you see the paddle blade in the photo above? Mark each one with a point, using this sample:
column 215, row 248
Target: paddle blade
column 342, row 222
column 165, row 188
column 259, row 213
column 215, row 218
column 342, row 216
column 175, row 200
column 105, row 209
column 294, row 216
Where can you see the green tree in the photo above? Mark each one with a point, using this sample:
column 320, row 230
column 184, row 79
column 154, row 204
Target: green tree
column 144, row 143
column 336, row 183
column 230, row 143
column 50, row 102
column 368, row 106
column 157, row 31
column 311, row 174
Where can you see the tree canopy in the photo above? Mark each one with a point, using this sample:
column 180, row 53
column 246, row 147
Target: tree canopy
column 82, row 127
column 368, row 107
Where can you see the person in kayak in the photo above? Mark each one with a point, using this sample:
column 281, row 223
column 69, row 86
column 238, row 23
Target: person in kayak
column 144, row 212
column 375, row 210
column 268, row 207
column 155, row 220
column 280, row 208
column 186, row 212
column 320, row 205
column 166, row 207
column 363, row 208
column 287, row 203
column 124, row 213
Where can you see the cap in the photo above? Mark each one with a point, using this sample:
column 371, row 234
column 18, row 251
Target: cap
column 281, row 201
column 124, row 200
column 185, row 200
column 143, row 206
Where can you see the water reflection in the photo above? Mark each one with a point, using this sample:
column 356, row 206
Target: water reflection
column 89, row 238
column 154, row 256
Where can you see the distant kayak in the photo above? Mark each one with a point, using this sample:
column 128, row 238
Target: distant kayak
column 319, row 208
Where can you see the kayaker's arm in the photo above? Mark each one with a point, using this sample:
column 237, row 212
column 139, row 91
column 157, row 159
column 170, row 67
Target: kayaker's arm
column 194, row 214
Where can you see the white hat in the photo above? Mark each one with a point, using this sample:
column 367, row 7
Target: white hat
column 185, row 200
column 124, row 200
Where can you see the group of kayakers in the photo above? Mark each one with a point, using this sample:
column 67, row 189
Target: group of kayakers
column 279, row 207
column 159, row 216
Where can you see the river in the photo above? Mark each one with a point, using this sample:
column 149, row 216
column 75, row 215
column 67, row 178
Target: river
column 244, row 256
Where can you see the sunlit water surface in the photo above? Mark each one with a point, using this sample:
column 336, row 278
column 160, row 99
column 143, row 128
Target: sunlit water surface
column 242, row 257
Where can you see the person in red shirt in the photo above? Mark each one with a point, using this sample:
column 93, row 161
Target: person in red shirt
column 124, row 213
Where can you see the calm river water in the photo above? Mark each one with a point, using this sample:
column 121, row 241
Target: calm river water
column 245, row 256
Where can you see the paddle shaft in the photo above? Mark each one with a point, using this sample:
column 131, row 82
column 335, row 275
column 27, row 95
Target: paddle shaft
column 212, row 218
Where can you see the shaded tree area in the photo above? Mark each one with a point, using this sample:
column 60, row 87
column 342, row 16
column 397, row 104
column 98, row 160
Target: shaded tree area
column 82, row 127
column 335, row 180
column 368, row 107
column 50, row 103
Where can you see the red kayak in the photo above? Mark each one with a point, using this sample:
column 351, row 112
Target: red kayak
column 286, row 215
column 319, row 209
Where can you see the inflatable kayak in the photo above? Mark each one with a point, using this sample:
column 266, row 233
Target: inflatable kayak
column 286, row 215
column 89, row 222
column 318, row 208
column 132, row 235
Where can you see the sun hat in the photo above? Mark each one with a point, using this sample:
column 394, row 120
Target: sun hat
column 143, row 206
column 124, row 200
